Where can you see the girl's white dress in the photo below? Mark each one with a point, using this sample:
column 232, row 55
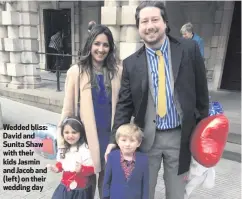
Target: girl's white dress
column 75, row 184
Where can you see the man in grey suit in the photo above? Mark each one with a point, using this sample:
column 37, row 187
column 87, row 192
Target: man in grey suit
column 164, row 86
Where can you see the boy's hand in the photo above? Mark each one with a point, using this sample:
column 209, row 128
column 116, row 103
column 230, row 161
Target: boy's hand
column 53, row 168
column 110, row 147
column 78, row 167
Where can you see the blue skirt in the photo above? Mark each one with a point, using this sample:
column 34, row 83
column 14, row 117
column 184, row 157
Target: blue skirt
column 61, row 192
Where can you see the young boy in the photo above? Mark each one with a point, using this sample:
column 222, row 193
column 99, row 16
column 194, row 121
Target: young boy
column 126, row 172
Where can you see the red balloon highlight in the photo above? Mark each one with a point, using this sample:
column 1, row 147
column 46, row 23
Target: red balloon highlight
column 209, row 139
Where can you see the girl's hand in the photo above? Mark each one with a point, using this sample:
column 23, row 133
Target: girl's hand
column 78, row 167
column 53, row 168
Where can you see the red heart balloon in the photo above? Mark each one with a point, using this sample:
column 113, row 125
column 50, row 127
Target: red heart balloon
column 209, row 139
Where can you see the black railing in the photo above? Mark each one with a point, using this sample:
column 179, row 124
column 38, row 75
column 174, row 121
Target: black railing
column 58, row 68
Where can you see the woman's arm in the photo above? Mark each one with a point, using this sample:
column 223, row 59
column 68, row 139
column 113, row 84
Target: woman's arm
column 68, row 103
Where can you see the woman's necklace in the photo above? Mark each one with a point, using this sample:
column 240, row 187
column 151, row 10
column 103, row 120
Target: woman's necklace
column 98, row 71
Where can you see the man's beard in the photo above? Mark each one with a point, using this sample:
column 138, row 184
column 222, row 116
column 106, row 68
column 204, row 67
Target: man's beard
column 152, row 42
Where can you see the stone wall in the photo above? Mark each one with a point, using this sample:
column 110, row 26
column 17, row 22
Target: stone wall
column 206, row 18
column 77, row 38
column 1, row 118
column 226, row 10
column 119, row 17
column 19, row 61
column 89, row 11
column 211, row 21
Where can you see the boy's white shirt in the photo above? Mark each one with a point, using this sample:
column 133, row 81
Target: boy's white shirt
column 199, row 176
column 73, row 156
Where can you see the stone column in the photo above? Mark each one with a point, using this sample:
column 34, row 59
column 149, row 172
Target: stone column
column 4, row 56
column 222, row 42
column 1, row 118
column 13, row 45
column 111, row 16
column 19, row 61
column 29, row 36
column 77, row 45
column 129, row 38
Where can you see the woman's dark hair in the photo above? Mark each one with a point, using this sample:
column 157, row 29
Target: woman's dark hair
column 78, row 126
column 156, row 4
column 110, row 62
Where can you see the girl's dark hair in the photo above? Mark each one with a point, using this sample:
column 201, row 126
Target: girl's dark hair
column 156, row 4
column 110, row 62
column 78, row 126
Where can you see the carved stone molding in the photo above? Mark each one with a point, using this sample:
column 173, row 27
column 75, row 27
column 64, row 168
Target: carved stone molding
column 4, row 2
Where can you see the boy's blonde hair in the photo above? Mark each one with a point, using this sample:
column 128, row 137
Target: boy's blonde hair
column 129, row 130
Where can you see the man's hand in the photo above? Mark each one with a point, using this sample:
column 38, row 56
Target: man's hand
column 110, row 147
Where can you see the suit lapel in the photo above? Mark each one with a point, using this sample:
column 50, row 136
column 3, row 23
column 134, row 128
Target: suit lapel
column 136, row 167
column 151, row 87
column 115, row 82
column 141, row 68
column 176, row 56
column 138, row 163
column 135, row 170
column 120, row 165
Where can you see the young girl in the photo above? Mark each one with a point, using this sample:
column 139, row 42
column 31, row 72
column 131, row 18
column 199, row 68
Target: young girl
column 75, row 163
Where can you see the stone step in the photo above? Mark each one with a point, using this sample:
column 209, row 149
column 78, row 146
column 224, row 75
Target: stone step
column 53, row 101
column 45, row 99
column 232, row 152
column 236, row 148
column 234, row 138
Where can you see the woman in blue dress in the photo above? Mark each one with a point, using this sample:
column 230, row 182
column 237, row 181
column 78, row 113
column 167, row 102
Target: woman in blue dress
column 98, row 85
